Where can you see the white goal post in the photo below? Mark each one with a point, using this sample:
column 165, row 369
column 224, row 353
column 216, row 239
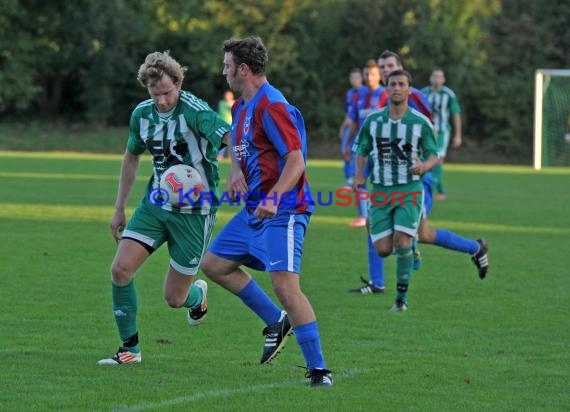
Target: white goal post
column 541, row 83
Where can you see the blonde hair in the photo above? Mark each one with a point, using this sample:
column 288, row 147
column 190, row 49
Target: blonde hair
column 158, row 64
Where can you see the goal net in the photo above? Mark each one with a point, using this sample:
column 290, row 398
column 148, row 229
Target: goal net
column 551, row 118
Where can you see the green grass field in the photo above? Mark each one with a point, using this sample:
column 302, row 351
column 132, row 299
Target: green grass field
column 500, row 344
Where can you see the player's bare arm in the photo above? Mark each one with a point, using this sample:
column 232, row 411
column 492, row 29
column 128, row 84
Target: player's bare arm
column 419, row 167
column 456, row 130
column 359, row 179
column 129, row 169
column 292, row 172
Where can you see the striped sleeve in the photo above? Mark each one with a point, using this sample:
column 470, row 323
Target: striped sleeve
column 280, row 126
column 135, row 144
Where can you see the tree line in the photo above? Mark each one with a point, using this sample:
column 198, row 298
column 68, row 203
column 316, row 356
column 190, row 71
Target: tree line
column 77, row 60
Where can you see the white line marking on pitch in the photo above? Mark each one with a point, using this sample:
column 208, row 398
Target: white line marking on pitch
column 218, row 393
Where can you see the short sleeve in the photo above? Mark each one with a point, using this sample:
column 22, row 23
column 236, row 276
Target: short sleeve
column 363, row 142
column 211, row 126
column 135, row 144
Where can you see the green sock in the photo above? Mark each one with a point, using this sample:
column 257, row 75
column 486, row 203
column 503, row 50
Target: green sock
column 404, row 266
column 194, row 297
column 125, row 311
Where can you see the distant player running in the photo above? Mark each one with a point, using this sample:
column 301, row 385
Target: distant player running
column 355, row 79
column 446, row 118
column 176, row 128
column 476, row 248
column 395, row 138
column 366, row 100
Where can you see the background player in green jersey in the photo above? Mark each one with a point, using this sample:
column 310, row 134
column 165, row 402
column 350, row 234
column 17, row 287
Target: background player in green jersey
column 176, row 128
column 395, row 138
column 446, row 118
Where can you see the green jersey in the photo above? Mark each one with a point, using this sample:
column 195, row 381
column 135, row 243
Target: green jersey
column 391, row 145
column 443, row 104
column 190, row 134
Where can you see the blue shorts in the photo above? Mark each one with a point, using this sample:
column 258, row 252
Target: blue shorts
column 426, row 181
column 269, row 245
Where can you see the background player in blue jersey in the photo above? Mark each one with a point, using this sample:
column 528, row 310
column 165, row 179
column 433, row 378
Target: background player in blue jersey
column 389, row 61
column 366, row 100
column 355, row 79
column 268, row 162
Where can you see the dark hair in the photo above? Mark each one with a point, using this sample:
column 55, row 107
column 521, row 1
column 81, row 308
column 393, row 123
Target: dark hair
column 388, row 53
column 400, row 73
column 356, row 70
column 249, row 50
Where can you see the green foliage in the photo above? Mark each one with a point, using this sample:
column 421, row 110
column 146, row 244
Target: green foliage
column 79, row 59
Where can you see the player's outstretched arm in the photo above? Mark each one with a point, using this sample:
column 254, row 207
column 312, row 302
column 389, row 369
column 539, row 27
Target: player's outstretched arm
column 456, row 130
column 359, row 179
column 129, row 169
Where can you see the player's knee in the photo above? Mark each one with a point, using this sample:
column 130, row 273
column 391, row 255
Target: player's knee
column 286, row 293
column 383, row 250
column 207, row 265
column 174, row 300
column 120, row 273
column 426, row 234
column 404, row 242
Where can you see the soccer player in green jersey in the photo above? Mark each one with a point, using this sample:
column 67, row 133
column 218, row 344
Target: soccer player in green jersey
column 176, row 127
column 395, row 138
column 446, row 118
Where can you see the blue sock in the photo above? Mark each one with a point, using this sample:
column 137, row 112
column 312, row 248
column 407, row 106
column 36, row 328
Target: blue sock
column 453, row 241
column 375, row 264
column 310, row 343
column 257, row 300
column 348, row 171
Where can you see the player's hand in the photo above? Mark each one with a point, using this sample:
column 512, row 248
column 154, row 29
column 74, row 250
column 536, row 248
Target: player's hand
column 118, row 224
column 236, row 184
column 456, row 142
column 358, row 184
column 265, row 211
column 417, row 167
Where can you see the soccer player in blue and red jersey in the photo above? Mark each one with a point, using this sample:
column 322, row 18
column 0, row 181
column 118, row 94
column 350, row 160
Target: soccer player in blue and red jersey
column 268, row 165
column 364, row 102
column 388, row 62
column 355, row 79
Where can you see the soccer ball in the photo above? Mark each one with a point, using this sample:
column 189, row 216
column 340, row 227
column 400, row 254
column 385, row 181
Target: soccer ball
column 183, row 185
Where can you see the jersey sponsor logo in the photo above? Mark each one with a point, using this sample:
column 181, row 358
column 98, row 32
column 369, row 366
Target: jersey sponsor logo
column 241, row 151
column 397, row 147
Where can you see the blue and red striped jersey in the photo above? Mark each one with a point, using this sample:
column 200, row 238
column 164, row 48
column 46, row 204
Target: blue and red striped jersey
column 365, row 102
column 264, row 131
column 351, row 96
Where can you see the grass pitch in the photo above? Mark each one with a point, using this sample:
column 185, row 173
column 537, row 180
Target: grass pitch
column 465, row 344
